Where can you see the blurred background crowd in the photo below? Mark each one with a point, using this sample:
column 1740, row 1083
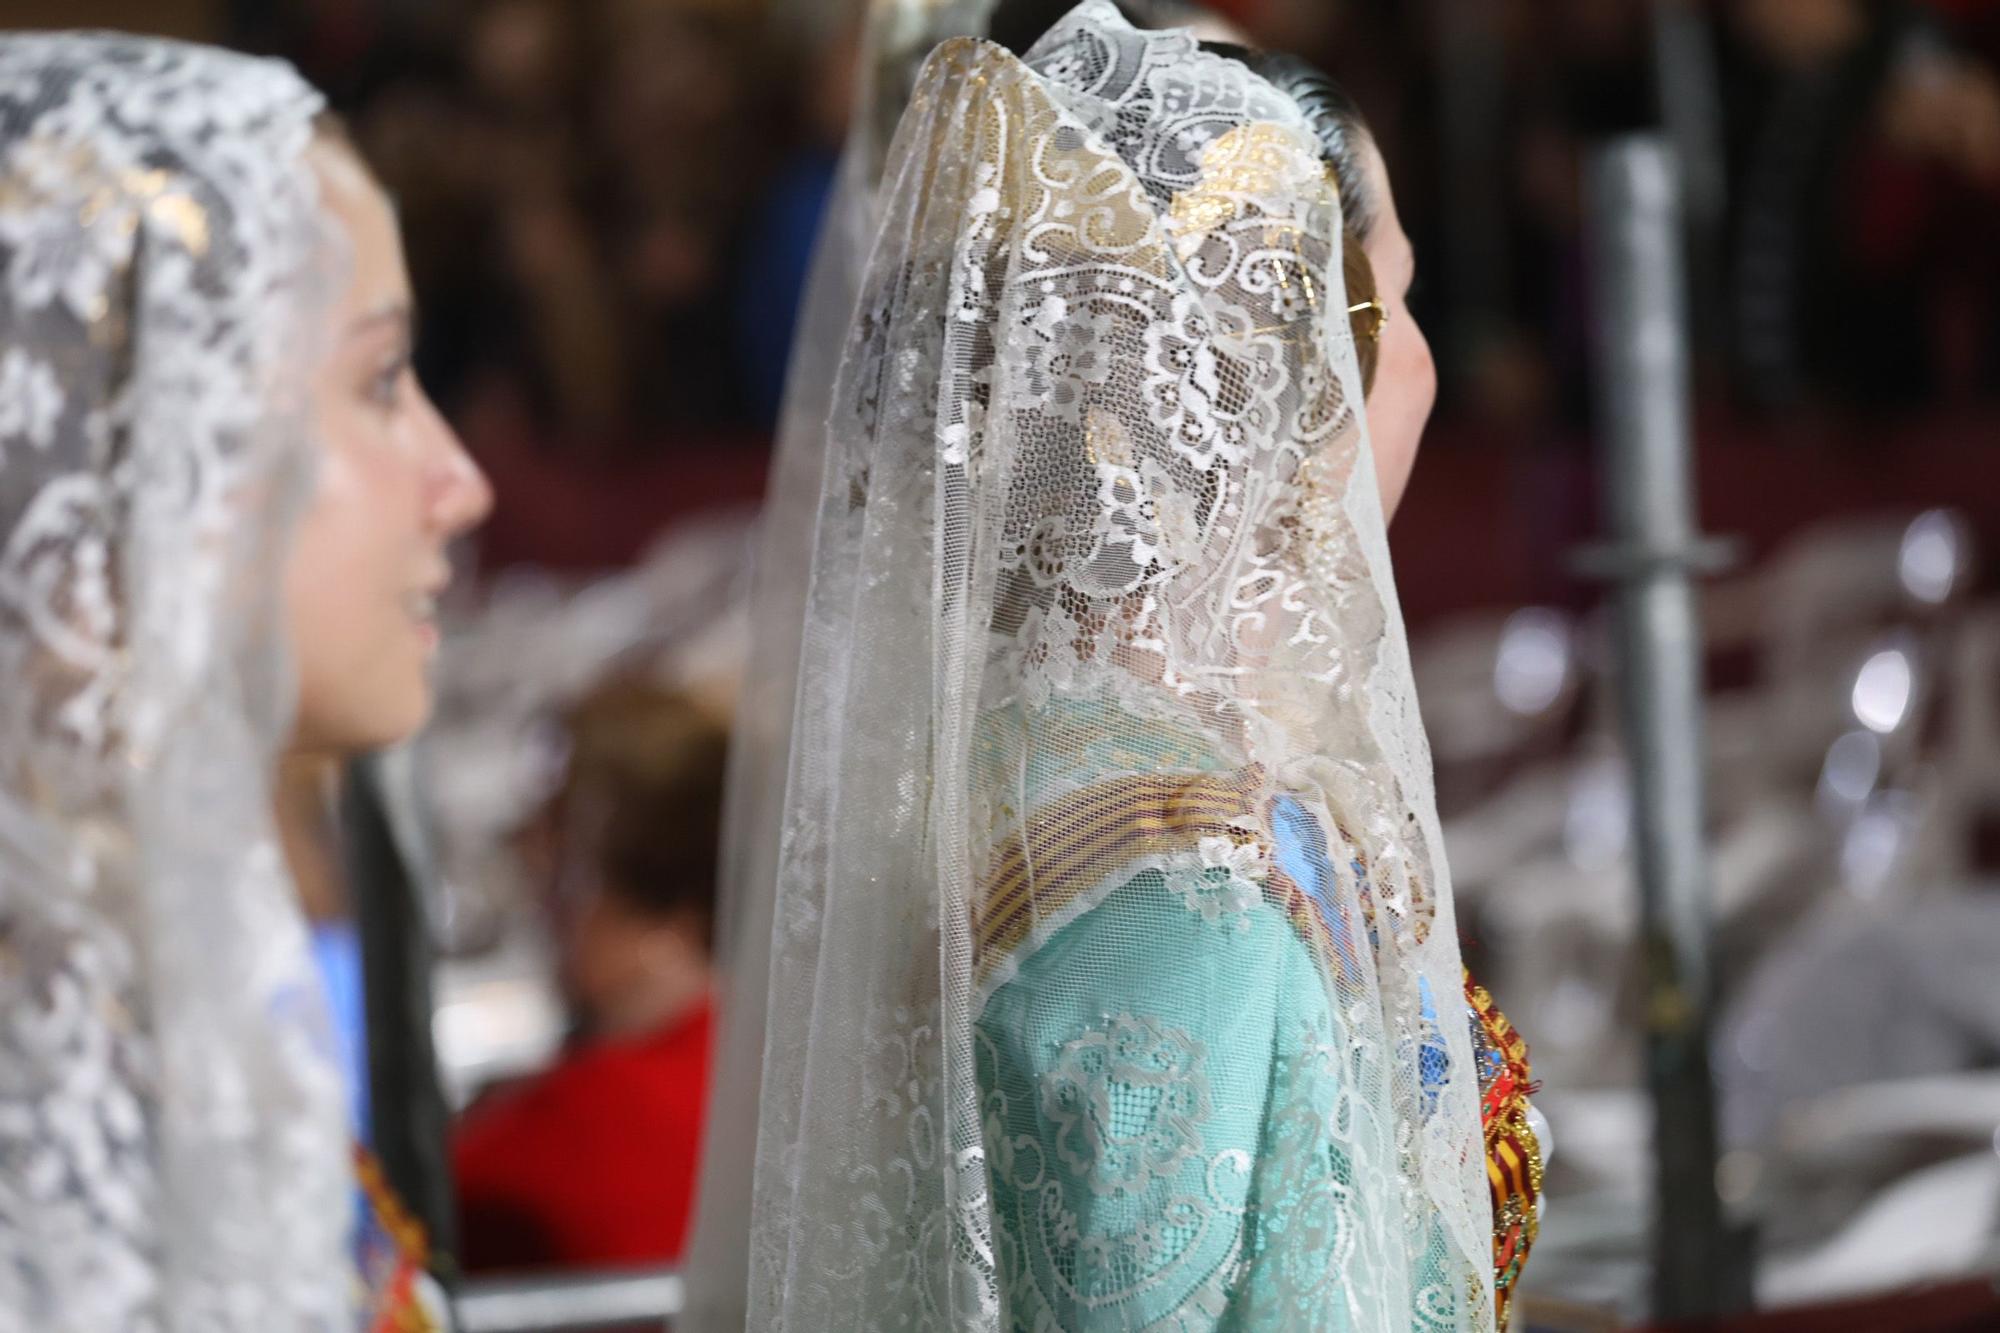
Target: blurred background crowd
column 610, row 207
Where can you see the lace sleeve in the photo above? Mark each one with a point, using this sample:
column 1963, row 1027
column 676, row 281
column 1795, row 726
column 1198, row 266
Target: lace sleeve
column 1161, row 1160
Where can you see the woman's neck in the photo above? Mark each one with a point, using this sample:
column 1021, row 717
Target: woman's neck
column 302, row 801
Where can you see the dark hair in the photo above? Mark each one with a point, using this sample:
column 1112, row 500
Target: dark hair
column 644, row 791
column 1334, row 117
column 1019, row 24
column 330, row 127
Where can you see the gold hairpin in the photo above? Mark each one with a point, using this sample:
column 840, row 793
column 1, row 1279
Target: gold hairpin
column 1373, row 333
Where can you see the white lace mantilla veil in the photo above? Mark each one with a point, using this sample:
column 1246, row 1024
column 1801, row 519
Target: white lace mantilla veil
column 897, row 35
column 173, row 1145
column 1099, row 586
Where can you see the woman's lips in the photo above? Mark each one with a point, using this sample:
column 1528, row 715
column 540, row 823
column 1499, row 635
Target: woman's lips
column 421, row 607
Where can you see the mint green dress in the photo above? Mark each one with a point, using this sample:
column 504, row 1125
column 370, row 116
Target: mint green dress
column 1179, row 1128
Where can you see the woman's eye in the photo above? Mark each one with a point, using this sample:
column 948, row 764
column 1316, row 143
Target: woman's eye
column 387, row 385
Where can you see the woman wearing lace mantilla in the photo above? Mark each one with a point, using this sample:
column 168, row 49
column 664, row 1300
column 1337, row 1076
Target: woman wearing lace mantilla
column 896, row 37
column 223, row 508
column 1114, row 981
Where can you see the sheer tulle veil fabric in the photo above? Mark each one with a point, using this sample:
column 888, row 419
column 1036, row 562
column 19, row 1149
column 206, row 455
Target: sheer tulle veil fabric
column 1100, row 685
column 897, row 36
column 173, row 1150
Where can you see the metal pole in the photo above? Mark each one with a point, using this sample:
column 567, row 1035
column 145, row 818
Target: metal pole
column 1632, row 196
column 1684, row 61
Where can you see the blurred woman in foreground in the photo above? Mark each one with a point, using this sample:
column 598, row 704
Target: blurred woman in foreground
column 224, row 507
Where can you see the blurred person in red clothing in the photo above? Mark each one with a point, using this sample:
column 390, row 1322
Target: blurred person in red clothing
column 592, row 1163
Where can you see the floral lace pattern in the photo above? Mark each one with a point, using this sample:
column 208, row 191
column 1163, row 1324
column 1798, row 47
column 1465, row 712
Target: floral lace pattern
column 1243, row 1190
column 1096, row 476
column 1221, row 880
column 172, row 1143
column 1126, row 1100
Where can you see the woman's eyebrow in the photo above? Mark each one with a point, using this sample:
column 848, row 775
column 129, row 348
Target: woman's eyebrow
column 395, row 313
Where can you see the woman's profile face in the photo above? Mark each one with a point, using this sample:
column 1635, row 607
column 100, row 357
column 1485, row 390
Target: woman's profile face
column 393, row 486
column 1405, row 386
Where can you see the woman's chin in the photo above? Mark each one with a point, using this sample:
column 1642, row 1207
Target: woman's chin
column 358, row 725
column 405, row 721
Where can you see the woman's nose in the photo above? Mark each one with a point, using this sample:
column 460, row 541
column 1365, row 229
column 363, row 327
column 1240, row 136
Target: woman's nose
column 463, row 497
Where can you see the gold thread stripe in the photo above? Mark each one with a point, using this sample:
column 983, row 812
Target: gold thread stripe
column 1507, row 1166
column 1071, row 849
column 1149, row 803
column 1090, row 834
column 1164, row 794
column 1116, row 823
column 1068, row 875
column 1101, row 828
